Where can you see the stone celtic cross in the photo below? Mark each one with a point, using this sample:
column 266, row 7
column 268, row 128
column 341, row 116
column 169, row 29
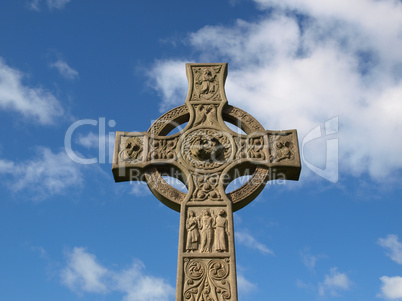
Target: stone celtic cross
column 206, row 155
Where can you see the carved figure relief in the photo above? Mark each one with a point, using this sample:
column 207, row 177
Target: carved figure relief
column 161, row 149
column 206, row 148
column 205, row 115
column 192, row 232
column 206, row 188
column 206, row 279
column 221, row 226
column 131, row 149
column 281, row 148
column 206, row 83
column 207, row 232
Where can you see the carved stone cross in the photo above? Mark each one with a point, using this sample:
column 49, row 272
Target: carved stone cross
column 206, row 155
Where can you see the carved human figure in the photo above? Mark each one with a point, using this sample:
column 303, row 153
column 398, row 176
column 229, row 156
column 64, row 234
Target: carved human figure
column 206, row 82
column 221, row 231
column 282, row 151
column 192, row 232
column 207, row 231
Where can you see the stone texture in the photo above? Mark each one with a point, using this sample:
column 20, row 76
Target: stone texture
column 206, row 155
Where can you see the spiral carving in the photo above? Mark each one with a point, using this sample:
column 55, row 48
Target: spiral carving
column 206, row 279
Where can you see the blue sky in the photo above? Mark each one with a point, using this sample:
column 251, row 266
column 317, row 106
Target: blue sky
column 84, row 69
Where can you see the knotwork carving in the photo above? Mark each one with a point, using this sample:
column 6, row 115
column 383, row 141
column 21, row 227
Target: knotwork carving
column 251, row 148
column 206, row 188
column 206, row 148
column 161, row 149
column 131, row 149
column 206, row 279
column 206, row 83
column 281, row 148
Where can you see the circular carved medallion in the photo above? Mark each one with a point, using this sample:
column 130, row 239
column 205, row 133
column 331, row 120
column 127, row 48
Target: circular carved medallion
column 206, row 149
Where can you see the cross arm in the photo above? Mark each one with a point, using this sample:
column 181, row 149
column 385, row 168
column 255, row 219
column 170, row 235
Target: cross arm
column 276, row 150
column 136, row 151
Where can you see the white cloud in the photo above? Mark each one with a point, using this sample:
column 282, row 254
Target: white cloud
column 170, row 81
column 58, row 4
column 139, row 188
column 83, row 273
column 34, row 5
column 333, row 283
column 51, row 4
column 91, row 140
column 49, row 173
column 310, row 260
column 339, row 59
column 391, row 288
column 249, row 241
column 36, row 103
column 394, row 247
column 64, row 69
column 244, row 285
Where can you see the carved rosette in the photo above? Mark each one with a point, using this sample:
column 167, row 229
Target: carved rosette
column 206, row 149
column 206, row 279
column 206, row 83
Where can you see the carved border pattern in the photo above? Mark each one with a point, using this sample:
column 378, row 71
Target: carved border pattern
column 245, row 118
column 155, row 181
column 167, row 118
column 254, row 184
column 206, row 279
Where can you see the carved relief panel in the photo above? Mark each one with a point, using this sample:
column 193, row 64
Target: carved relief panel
column 207, row 279
column 206, row 149
column 282, row 147
column 206, row 230
column 162, row 149
column 206, row 188
column 131, row 149
column 206, row 83
column 252, row 148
